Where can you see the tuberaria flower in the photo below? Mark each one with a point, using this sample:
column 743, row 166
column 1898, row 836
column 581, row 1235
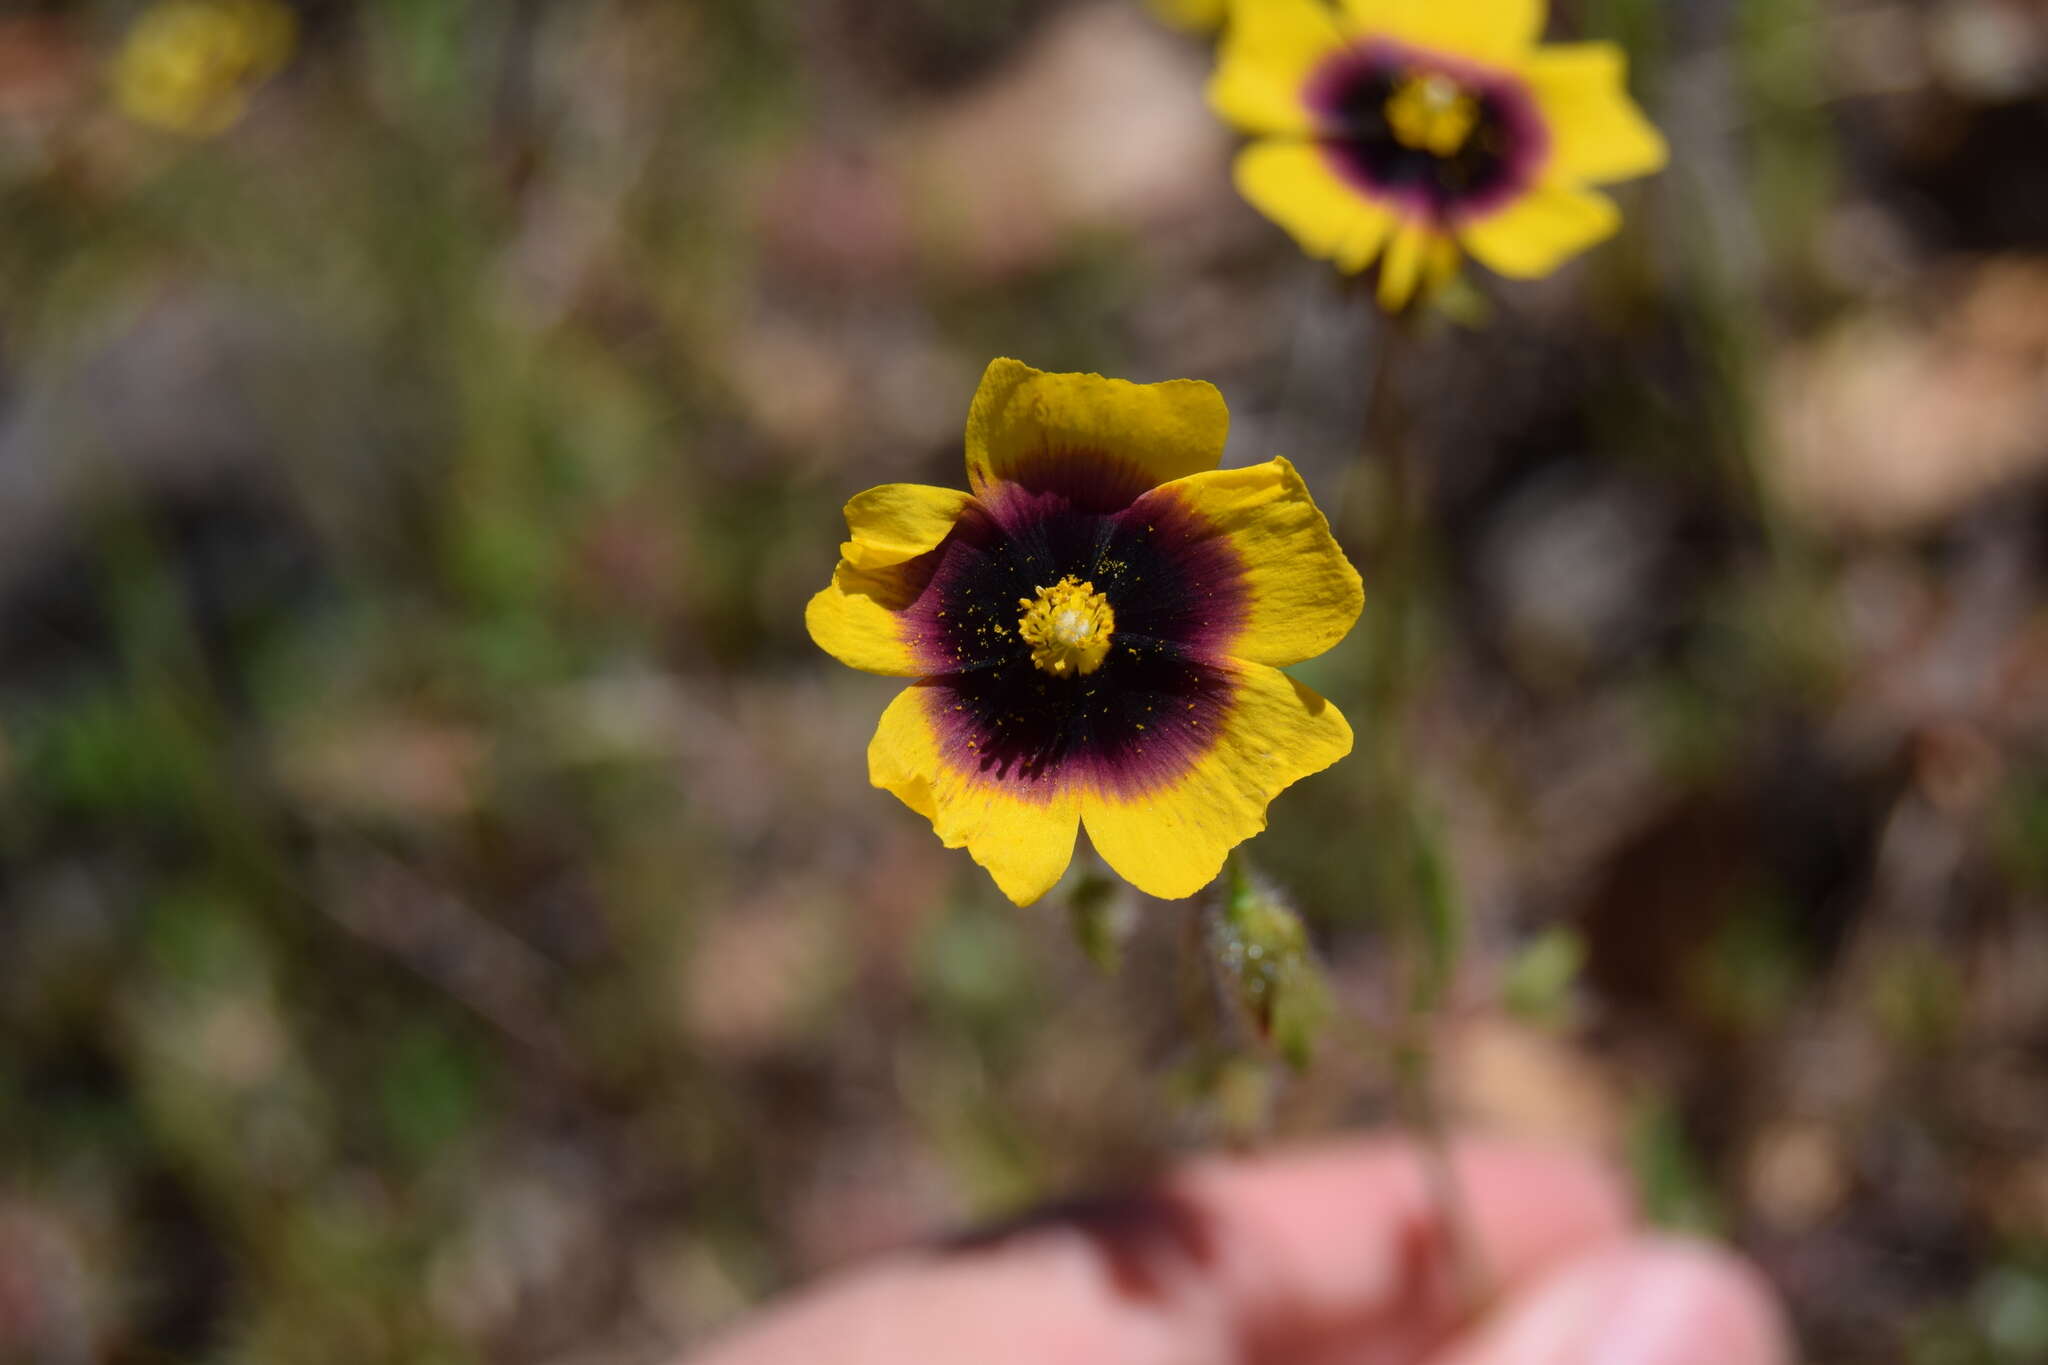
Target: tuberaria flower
column 191, row 65
column 1413, row 132
column 1094, row 627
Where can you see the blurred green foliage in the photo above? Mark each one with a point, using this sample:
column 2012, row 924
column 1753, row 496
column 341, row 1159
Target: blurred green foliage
column 1540, row 979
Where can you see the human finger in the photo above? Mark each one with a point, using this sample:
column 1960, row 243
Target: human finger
column 1231, row 1260
column 1652, row 1301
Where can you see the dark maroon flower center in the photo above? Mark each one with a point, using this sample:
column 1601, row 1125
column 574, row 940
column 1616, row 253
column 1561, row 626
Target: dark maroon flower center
column 1155, row 702
column 1445, row 139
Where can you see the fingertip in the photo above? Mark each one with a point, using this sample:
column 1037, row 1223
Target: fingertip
column 1651, row 1301
column 1726, row 1294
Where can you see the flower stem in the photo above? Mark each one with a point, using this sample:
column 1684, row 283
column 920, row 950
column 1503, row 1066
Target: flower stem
column 1418, row 928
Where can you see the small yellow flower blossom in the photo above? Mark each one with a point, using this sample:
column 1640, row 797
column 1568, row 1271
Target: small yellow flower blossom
column 1093, row 628
column 191, row 65
column 1416, row 132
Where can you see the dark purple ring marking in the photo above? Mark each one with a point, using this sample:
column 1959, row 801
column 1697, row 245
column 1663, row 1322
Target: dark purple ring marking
column 1500, row 159
column 1157, row 704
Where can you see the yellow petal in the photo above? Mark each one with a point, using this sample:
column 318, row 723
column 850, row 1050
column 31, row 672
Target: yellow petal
column 1113, row 436
column 1491, row 30
column 1533, row 234
column 1402, row 269
column 899, row 521
column 1023, row 833
column 1597, row 132
column 857, row 619
column 1303, row 595
column 1267, row 57
column 1171, row 841
column 1292, row 183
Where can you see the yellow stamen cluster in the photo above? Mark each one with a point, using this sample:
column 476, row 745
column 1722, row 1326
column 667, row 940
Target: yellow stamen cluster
column 1433, row 113
column 1068, row 626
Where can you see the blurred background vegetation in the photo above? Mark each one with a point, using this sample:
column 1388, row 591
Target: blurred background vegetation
column 443, row 916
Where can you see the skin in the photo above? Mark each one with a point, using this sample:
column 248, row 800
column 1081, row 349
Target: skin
column 1331, row 1256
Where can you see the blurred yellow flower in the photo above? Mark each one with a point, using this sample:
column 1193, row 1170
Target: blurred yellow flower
column 1094, row 630
column 1199, row 16
column 1415, row 132
column 190, row 65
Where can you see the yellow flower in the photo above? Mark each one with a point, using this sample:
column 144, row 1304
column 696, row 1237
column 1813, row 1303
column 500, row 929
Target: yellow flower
column 190, row 65
column 1414, row 132
column 1093, row 629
